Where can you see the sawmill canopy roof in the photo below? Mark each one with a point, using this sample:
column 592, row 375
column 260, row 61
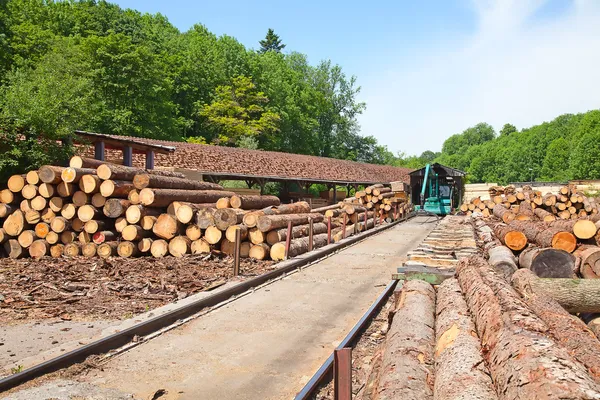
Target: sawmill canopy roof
column 439, row 169
column 238, row 163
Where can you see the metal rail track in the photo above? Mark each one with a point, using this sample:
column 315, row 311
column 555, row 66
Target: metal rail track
column 319, row 376
column 145, row 328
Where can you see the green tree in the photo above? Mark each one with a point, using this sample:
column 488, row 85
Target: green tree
column 239, row 111
column 271, row 42
column 507, row 129
column 556, row 161
column 586, row 157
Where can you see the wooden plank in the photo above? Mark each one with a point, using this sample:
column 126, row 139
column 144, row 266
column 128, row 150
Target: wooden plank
column 430, row 275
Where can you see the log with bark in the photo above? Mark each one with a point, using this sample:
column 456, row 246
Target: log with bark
column 301, row 207
column 114, row 208
column 267, row 223
column 250, row 202
column 548, row 262
column 123, row 173
column 200, row 246
column 503, row 261
column 575, row 295
column 113, row 189
column 179, row 246
column 163, row 197
column 73, row 175
column 167, row 227
column 589, row 261
column 159, row 248
column 149, row 180
column 226, row 217
column 503, row 213
column 280, row 235
column 259, row 251
column 185, row 212
column 107, row 249
column 83, row 162
column 297, row 247
column 50, row 174
column 510, row 237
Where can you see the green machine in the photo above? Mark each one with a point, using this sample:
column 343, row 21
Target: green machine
column 438, row 188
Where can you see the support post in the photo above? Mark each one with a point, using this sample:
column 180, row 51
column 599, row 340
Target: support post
column 395, row 216
column 344, row 226
column 150, row 159
column 310, row 234
column 288, row 239
column 334, row 194
column 342, row 374
column 366, row 219
column 127, row 156
column 99, row 150
column 236, row 252
column 328, row 230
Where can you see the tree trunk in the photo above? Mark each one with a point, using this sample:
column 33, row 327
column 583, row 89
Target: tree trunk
column 148, row 180
column 114, row 208
column 503, row 213
column 119, row 189
column 548, row 263
column 87, row 213
column 26, row 238
column 200, row 246
column 135, row 213
column 259, row 251
column 205, row 218
column 502, row 259
column 566, row 329
column 558, row 239
column 29, row 191
column 163, row 197
column 297, row 247
column 256, row 236
column 166, row 227
column 179, row 246
column 50, row 174
column 380, row 191
column 186, row 211
column 507, row 327
column 525, row 211
column 83, row 162
column 326, row 208
column 145, row 245
column 193, row 232
column 94, row 226
column 510, row 237
column 68, row 237
column 298, row 231
column 123, row 173
column 226, row 217
column 267, row 223
column 230, row 232
column 127, row 249
column 459, row 364
column 253, row 202
column 301, row 207
column 223, row 202
column 46, row 190
column 32, row 178
column 90, row 184
column 575, row 295
column 544, row 215
column 369, row 189
column 14, row 224
column 407, row 365
column 133, row 233
column 213, row 235
column 159, row 248
column 103, row 237
column 73, row 175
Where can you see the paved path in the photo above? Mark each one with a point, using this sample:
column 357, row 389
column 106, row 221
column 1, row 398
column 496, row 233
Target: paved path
column 267, row 344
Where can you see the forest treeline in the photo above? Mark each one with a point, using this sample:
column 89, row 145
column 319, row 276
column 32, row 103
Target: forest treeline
column 563, row 149
column 94, row 66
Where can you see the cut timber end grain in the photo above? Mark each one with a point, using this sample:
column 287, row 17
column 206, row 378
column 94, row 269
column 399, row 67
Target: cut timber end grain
column 213, row 235
column 225, row 217
column 73, row 175
column 65, row 189
column 164, row 197
column 52, row 237
column 179, row 246
column 82, row 162
column 590, row 261
column 42, row 230
column 256, row 236
column 135, row 213
column 564, row 241
column 193, row 232
column 94, row 226
column 114, row 208
column 7, row 197
column 548, row 263
column 251, row 218
column 459, row 364
column 90, row 184
column 297, row 246
column 227, row 247
column 147, row 222
column 127, row 249
column 145, row 245
column 205, row 218
column 84, row 237
column 68, row 211
column 103, row 236
column 72, row 249
column 32, row 178
column 87, row 213
column 29, row 191
column 584, row 229
column 98, row 200
column 133, row 233
column 47, row 215
column 6, row 210
column 81, row 198
column 253, row 202
column 77, row 225
column 15, row 183
column 50, row 174
column 14, row 224
column 57, row 250
column 3, row 236
column 159, row 248
column 502, row 259
column 503, row 213
column 38, row 203
column 13, row 248
column 185, row 212
column 68, row 237
column 111, row 188
column 230, row 232
column 245, row 249
column 46, row 190
column 59, row 224
column 134, row 197
column 89, row 250
column 259, row 251
column 407, row 364
column 108, row 249
column 200, row 247
column 223, row 202
column 166, row 227
column 26, row 238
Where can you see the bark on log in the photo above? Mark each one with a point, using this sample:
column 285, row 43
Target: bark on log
column 253, row 202
column 460, row 371
column 83, row 162
column 503, row 261
column 50, row 174
column 133, row 233
column 123, row 173
column 589, row 262
column 56, row 204
column 297, row 247
column 369, row 189
column 114, row 208
column 548, row 263
column 503, row 213
column 205, row 218
column 325, row 208
column 510, row 237
column 525, row 211
column 301, row 207
column 186, row 211
column 407, row 365
column 558, row 239
column 13, row 248
column 119, row 189
column 148, row 180
column 73, row 175
column 379, row 191
column 298, row 231
column 544, row 215
column 164, row 197
column 135, row 213
column 179, row 246
column 166, row 227
column 566, row 329
column 507, row 327
column 575, row 295
column 226, row 217
column 267, row 223
column 103, row 237
column 107, row 249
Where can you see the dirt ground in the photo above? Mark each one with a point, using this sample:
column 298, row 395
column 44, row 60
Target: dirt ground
column 88, row 289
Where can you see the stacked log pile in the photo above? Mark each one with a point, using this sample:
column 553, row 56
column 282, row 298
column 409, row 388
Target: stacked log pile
column 97, row 209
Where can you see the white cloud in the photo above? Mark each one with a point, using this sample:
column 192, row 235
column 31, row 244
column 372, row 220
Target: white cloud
column 515, row 68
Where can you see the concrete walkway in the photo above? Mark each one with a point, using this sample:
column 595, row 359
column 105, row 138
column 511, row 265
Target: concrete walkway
column 265, row 345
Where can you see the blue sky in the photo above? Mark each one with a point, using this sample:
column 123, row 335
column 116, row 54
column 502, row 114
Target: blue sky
column 430, row 68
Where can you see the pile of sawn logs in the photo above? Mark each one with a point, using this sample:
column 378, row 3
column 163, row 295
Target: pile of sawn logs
column 567, row 204
column 96, row 209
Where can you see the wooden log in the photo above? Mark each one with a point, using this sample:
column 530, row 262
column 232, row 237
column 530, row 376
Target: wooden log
column 205, row 218
column 566, row 329
column 259, row 251
column 64, row 189
column 46, row 190
column 525, row 211
column 252, row 202
column 503, row 213
column 145, row 245
column 584, row 229
column 148, row 180
column 575, row 295
column 90, row 184
column 123, row 173
column 94, row 226
column 114, row 208
column 193, row 232
column 29, row 191
column 226, row 217
column 108, row 249
column 89, row 249
column 57, row 250
column 179, row 246
column 147, row 222
column 200, row 246
column 14, row 224
column 407, row 364
column 301, row 207
column 213, row 235
column 267, row 223
column 227, row 247
column 13, row 248
column 280, row 235
column 231, row 230
column 369, row 189
column 32, row 178
column 380, row 191
column 103, row 237
column 223, row 202
column 73, row 175
column 589, row 262
column 47, row 215
column 52, row 238
column 133, row 233
column 502, row 260
column 68, row 237
column 81, row 198
column 60, row 224
column 159, row 248
column 6, row 210
column 127, row 249
column 26, row 238
column 351, row 209
column 185, row 212
column 50, row 174
column 325, row 208
column 548, row 262
column 118, row 189
column 134, row 197
column 68, row 211
column 297, row 247
column 38, row 203
column 510, row 237
column 8, row 197
column 558, row 239
column 77, row 225
column 256, row 236
column 87, row 213
column 3, row 236
column 335, row 213
column 164, row 197
column 507, row 326
column 84, row 162
column 42, row 230
column 544, row 215
column 72, row 249
column 459, row 365
column 84, row 237
column 135, row 213
column 166, row 227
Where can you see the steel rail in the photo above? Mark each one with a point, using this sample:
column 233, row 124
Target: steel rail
column 125, row 336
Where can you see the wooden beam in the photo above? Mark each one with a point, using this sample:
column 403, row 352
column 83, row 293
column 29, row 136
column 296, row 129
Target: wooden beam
column 127, row 156
column 150, row 159
column 99, row 150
